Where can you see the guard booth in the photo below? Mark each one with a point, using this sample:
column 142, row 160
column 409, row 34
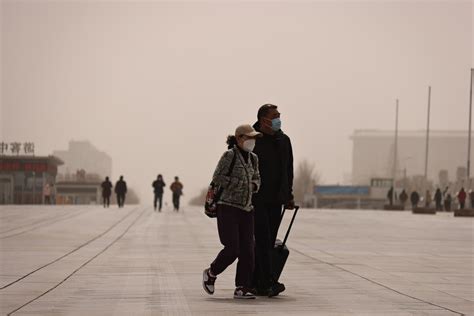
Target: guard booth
column 22, row 178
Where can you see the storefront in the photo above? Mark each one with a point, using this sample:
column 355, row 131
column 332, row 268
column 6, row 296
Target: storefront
column 22, row 178
column 78, row 192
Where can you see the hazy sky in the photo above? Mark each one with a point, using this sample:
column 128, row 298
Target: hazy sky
column 159, row 85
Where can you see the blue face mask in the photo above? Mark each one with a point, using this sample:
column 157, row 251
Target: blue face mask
column 276, row 124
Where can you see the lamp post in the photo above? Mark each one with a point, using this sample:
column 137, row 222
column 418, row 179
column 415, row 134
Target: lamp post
column 427, row 136
column 395, row 151
column 469, row 135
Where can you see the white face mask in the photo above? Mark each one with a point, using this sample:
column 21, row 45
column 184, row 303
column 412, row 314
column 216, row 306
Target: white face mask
column 249, row 145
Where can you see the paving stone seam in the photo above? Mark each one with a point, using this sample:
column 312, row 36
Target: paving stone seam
column 82, row 265
column 39, row 223
column 72, row 251
column 375, row 282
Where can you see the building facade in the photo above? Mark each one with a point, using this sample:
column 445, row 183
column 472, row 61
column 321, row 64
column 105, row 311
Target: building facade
column 82, row 155
column 22, row 178
column 373, row 155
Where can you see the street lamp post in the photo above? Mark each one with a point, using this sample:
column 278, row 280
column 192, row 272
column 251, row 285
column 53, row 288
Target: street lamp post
column 395, row 151
column 469, row 135
column 427, row 136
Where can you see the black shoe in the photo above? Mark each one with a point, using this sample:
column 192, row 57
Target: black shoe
column 208, row 282
column 243, row 293
column 276, row 289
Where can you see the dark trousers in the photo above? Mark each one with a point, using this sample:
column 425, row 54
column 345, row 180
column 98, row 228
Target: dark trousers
column 461, row 204
column 176, row 197
column 267, row 222
column 106, row 199
column 439, row 206
column 158, row 197
column 120, row 199
column 235, row 228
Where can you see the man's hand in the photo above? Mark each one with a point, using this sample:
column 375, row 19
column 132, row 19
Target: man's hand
column 290, row 205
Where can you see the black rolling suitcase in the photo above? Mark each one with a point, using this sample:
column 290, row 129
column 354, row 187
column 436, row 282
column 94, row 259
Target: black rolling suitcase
column 280, row 251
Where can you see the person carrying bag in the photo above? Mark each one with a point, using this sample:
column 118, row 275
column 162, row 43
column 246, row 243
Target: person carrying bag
column 237, row 179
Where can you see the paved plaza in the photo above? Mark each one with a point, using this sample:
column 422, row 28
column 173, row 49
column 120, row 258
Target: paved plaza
column 84, row 260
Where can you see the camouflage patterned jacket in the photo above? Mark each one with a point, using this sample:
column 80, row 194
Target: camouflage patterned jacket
column 243, row 181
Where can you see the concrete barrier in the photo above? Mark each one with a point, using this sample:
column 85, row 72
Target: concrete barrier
column 423, row 210
column 467, row 212
column 388, row 207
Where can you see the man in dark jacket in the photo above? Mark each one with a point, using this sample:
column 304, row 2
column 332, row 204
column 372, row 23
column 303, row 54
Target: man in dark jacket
column 106, row 191
column 121, row 191
column 276, row 171
column 414, row 198
column 158, row 185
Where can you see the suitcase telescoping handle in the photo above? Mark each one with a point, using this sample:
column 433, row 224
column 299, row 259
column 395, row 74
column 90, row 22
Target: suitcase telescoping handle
column 291, row 223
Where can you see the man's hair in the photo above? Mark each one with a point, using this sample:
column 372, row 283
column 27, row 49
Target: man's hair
column 264, row 109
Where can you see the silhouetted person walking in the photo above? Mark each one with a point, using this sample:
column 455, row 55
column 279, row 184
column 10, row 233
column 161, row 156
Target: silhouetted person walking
column 106, row 191
column 471, row 197
column 403, row 198
column 414, row 199
column 438, row 200
column 121, row 191
column 462, row 198
column 47, row 193
column 390, row 196
column 275, row 154
column 177, row 189
column 158, row 186
column 447, row 202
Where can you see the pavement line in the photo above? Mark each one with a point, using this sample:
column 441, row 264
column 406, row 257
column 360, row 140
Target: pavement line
column 82, row 265
column 72, row 251
column 35, row 222
column 375, row 282
column 66, row 217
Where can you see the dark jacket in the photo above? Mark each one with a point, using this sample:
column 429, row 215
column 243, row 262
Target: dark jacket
column 415, row 197
column 121, row 187
column 106, row 188
column 158, row 186
column 275, row 157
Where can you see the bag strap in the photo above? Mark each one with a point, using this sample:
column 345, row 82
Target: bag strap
column 231, row 167
column 291, row 223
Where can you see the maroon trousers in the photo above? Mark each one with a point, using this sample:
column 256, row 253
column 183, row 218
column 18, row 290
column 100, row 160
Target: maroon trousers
column 236, row 233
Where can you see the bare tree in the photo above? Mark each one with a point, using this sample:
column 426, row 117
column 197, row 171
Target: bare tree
column 305, row 179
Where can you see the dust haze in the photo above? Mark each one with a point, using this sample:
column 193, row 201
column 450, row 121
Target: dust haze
column 159, row 85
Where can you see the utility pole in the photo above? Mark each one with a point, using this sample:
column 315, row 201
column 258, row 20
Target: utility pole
column 395, row 152
column 427, row 136
column 469, row 135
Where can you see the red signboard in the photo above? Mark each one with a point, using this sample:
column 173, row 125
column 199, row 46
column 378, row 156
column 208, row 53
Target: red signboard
column 23, row 166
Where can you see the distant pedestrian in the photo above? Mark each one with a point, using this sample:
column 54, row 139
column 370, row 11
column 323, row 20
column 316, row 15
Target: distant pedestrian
column 471, row 197
column 447, row 203
column 121, row 191
column 106, row 191
column 403, row 198
column 414, row 199
column 53, row 194
column 428, row 199
column 47, row 193
column 462, row 198
column 158, row 186
column 438, row 200
column 177, row 189
column 390, row 196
